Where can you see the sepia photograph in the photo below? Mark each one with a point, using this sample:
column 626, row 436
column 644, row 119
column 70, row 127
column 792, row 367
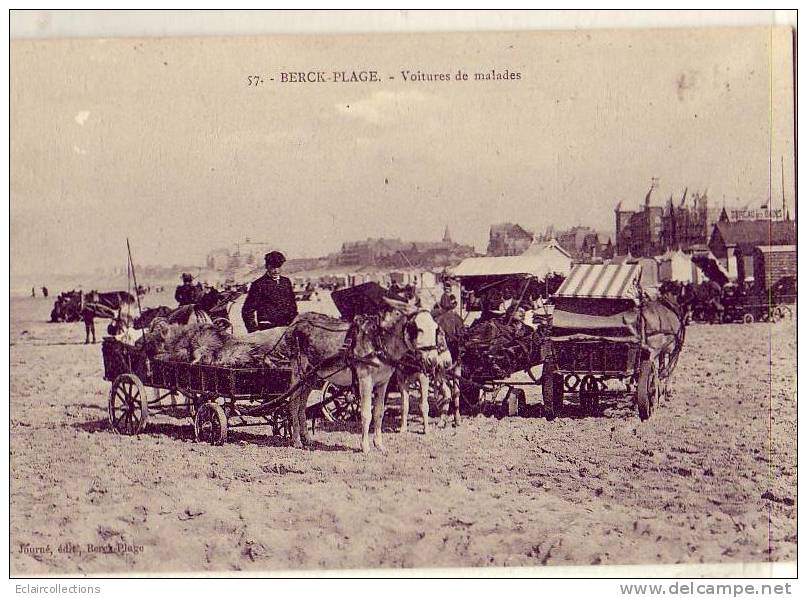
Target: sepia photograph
column 386, row 302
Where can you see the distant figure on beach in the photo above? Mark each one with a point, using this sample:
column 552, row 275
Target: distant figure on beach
column 44, row 291
column 33, row 292
column 88, row 317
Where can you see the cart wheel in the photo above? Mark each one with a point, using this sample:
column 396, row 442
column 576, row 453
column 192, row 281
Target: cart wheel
column 339, row 404
column 128, row 405
column 210, row 424
column 192, row 402
column 748, row 318
column 588, row 394
column 647, row 389
column 281, row 424
column 785, row 313
column 552, row 390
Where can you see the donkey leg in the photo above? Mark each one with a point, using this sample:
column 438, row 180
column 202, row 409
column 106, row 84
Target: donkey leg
column 301, row 418
column 444, row 393
column 403, row 387
column 423, row 379
column 379, row 394
column 455, row 395
column 366, row 398
column 294, row 415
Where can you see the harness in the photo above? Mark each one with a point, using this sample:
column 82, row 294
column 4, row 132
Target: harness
column 346, row 354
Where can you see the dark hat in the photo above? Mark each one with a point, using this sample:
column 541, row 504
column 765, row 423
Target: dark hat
column 274, row 259
column 448, row 302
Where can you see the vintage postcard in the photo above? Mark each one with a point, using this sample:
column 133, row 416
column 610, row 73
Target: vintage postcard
column 295, row 304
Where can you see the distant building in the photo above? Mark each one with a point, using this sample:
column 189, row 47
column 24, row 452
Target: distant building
column 240, row 255
column 367, row 252
column 594, row 248
column 685, row 226
column 397, row 253
column 508, row 239
column 654, row 230
column 583, row 243
column 735, row 243
column 218, row 259
column 771, row 264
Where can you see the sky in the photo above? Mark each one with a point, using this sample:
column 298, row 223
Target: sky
column 164, row 142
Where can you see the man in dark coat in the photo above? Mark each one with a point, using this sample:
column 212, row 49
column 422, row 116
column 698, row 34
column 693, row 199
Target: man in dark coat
column 186, row 293
column 270, row 302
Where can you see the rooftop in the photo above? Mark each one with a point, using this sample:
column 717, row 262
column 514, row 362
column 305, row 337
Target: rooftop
column 758, row 232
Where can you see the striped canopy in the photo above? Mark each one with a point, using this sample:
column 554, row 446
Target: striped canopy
column 611, row 281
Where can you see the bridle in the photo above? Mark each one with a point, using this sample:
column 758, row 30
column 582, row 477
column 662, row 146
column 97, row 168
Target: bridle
column 413, row 352
column 411, row 358
column 410, row 321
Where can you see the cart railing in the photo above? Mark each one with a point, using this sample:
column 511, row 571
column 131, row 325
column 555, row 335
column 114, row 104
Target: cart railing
column 220, row 381
column 596, row 357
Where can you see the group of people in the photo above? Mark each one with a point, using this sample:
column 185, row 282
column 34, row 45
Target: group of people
column 271, row 303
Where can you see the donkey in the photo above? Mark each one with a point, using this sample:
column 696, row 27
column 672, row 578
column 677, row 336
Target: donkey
column 365, row 352
column 438, row 377
column 665, row 328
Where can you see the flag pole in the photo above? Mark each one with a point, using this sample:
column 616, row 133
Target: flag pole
column 134, row 276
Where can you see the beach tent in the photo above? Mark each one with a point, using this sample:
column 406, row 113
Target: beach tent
column 677, row 266
column 543, row 260
column 649, row 268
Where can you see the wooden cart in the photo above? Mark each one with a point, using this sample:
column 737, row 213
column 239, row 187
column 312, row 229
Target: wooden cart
column 216, row 398
column 599, row 336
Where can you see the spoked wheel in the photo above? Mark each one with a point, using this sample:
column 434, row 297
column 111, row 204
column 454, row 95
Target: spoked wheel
column 748, row 318
column 339, row 404
column 589, row 394
column 647, row 389
column 210, row 424
column 280, row 421
column 785, row 313
column 128, row 405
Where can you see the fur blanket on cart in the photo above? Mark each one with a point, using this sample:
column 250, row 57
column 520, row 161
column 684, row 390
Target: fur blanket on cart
column 205, row 343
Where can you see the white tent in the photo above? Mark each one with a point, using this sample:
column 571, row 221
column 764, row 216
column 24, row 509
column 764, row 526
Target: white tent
column 677, row 266
column 551, row 246
column 545, row 260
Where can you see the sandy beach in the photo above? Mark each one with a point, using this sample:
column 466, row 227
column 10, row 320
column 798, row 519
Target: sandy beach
column 711, row 477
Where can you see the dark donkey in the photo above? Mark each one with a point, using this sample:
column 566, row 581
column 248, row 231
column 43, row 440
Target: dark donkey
column 364, row 353
column 665, row 330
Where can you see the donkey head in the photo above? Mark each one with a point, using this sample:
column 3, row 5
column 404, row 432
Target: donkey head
column 418, row 327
